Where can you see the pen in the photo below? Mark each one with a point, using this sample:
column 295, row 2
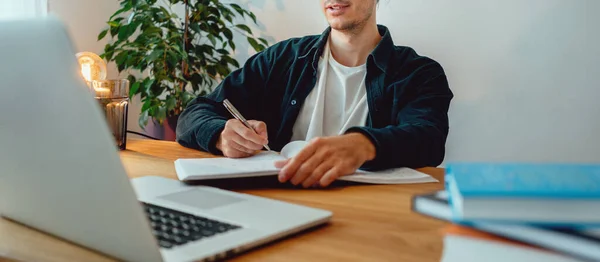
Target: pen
column 239, row 117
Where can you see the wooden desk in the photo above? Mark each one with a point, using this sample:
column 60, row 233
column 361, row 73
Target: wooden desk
column 370, row 222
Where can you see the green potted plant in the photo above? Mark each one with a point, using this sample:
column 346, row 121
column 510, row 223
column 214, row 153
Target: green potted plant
column 173, row 57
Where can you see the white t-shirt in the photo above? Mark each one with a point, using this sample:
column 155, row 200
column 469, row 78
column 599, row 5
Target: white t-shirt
column 338, row 101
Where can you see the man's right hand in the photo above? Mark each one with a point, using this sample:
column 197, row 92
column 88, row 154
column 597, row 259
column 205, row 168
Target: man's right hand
column 237, row 141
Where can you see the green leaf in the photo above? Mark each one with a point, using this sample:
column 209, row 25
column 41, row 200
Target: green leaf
column 200, row 7
column 132, row 60
column 254, row 44
column 161, row 115
column 121, row 58
column 143, row 120
column 153, row 110
column 127, row 31
column 148, row 82
column 232, row 44
column 153, row 30
column 134, row 89
column 244, row 27
column 211, row 70
column 177, row 48
column 172, row 57
column 195, row 27
column 165, row 12
column 231, row 61
column 264, row 41
column 114, row 24
column 222, row 51
column 124, row 32
column 229, row 18
column 197, row 81
column 120, row 11
column 131, row 79
column 146, row 105
column 114, row 30
column 212, row 39
column 102, row 34
column 108, row 56
column 171, row 102
column 155, row 54
column 237, row 8
column 187, row 98
column 252, row 16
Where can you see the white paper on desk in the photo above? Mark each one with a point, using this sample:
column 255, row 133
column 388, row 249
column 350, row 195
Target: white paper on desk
column 216, row 168
column 390, row 176
column 263, row 164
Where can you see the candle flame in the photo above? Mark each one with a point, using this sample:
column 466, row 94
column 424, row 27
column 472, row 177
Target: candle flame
column 86, row 71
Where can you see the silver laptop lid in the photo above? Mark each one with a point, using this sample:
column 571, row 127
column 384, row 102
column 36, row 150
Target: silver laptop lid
column 59, row 167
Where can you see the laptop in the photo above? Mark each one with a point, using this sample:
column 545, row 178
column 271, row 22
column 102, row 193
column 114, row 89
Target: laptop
column 60, row 170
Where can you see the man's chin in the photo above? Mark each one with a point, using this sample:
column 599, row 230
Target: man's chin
column 341, row 26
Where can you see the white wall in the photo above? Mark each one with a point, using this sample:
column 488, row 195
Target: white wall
column 522, row 70
column 85, row 19
column 524, row 73
column 11, row 9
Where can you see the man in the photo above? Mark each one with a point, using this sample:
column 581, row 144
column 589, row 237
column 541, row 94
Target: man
column 361, row 101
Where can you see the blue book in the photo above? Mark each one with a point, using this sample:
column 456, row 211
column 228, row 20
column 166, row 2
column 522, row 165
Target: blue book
column 580, row 243
column 537, row 193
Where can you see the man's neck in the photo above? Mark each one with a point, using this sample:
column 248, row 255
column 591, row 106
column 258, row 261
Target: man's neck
column 352, row 48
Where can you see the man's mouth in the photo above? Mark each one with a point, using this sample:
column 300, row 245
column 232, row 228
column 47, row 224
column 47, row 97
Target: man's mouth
column 336, row 8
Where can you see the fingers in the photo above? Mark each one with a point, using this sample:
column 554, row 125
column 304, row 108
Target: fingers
column 234, row 145
column 260, row 128
column 247, row 133
column 307, row 168
column 317, row 174
column 292, row 166
column 281, row 163
column 235, row 150
column 249, row 145
column 331, row 176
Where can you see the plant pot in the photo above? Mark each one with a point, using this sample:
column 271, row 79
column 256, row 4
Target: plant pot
column 170, row 125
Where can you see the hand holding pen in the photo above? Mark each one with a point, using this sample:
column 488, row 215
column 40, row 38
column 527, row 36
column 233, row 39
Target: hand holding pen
column 241, row 137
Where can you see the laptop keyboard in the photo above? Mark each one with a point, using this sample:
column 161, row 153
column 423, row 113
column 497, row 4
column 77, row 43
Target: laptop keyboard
column 174, row 228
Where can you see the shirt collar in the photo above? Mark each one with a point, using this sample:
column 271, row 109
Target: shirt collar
column 380, row 55
column 383, row 51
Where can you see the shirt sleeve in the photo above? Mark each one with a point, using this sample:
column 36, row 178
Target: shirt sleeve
column 419, row 137
column 201, row 123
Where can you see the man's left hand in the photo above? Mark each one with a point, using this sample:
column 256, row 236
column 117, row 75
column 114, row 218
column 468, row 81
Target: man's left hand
column 325, row 159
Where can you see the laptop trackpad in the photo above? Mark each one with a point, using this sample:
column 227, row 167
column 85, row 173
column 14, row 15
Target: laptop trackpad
column 202, row 199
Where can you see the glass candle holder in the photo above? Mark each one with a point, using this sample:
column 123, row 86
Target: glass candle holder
column 113, row 96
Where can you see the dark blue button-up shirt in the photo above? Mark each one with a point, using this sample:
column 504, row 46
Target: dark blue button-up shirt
column 407, row 95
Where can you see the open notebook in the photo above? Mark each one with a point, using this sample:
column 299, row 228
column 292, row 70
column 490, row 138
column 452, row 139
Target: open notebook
column 263, row 164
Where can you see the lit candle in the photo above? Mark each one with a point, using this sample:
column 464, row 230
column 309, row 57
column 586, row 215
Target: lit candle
column 86, row 71
column 102, row 92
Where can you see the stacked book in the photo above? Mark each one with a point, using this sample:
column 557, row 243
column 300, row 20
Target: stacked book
column 553, row 208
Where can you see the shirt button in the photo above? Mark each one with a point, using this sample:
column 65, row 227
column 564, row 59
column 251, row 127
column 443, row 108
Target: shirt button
column 293, row 102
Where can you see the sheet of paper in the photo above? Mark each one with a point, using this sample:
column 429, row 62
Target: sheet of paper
column 264, row 163
column 195, row 167
column 213, row 167
column 390, row 176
